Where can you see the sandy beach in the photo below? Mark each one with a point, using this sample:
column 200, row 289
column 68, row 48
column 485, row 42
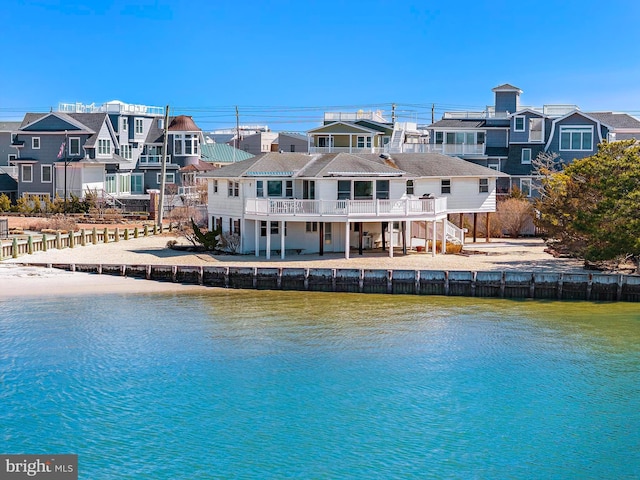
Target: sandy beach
column 19, row 276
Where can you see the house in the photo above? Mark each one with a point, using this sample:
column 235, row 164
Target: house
column 365, row 132
column 8, row 170
column 221, row 154
column 331, row 202
column 259, row 142
column 507, row 136
column 292, row 142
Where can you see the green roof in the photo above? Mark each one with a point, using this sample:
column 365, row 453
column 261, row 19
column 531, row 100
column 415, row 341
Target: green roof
column 222, row 153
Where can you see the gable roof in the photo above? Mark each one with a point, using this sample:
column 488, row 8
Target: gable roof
column 616, row 120
column 506, row 87
column 570, row 114
column 348, row 165
column 64, row 122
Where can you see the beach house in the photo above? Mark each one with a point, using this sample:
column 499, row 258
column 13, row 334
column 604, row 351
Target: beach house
column 336, row 202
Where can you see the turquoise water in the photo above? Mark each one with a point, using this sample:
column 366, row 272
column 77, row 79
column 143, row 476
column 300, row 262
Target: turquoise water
column 246, row 384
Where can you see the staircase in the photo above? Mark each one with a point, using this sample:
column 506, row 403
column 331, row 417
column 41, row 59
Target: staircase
column 397, row 139
column 454, row 233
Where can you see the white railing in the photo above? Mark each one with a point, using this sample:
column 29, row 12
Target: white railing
column 112, row 107
column 346, row 150
column 402, row 207
column 153, row 159
column 353, row 116
column 455, row 232
column 455, row 148
column 12, row 171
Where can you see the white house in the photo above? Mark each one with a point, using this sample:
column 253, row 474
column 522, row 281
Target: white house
column 334, row 202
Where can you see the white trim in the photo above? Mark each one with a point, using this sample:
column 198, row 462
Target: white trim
column 515, row 123
column 12, row 157
column 573, row 112
column 315, row 131
column 42, row 167
column 22, row 169
column 584, row 129
column 69, row 146
column 168, row 176
column 522, row 160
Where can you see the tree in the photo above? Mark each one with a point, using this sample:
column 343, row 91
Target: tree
column 591, row 206
column 514, row 214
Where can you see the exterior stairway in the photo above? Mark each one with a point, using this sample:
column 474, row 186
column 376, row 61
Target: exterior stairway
column 397, row 140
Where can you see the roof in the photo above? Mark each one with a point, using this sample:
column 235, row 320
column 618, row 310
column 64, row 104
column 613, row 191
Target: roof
column 7, row 183
column 9, row 126
column 198, row 167
column 615, row 120
column 304, row 165
column 222, row 153
column 298, row 135
column 506, row 87
column 183, row 123
column 460, row 123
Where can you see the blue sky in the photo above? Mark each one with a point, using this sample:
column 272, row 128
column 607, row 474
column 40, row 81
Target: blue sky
column 285, row 62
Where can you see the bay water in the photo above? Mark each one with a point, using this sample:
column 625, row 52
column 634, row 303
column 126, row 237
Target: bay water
column 255, row 384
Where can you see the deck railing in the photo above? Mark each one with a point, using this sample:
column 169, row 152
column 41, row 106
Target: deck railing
column 403, row 207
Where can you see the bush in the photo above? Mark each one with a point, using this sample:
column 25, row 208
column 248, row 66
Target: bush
column 513, row 215
column 5, row 203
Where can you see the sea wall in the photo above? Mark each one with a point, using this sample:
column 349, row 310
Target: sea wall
column 496, row 284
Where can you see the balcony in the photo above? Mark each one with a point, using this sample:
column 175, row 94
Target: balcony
column 455, row 149
column 346, row 209
column 153, row 160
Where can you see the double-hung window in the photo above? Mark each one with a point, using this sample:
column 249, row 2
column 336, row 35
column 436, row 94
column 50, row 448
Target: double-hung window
column 518, row 124
column 233, row 189
column 445, row 186
column 139, row 126
column 363, row 142
column 104, row 146
column 576, row 138
column 483, row 185
column 45, row 173
column 27, row 173
column 74, row 146
column 525, row 157
column 35, row 143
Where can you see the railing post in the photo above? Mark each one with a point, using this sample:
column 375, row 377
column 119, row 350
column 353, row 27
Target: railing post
column 146, row 230
column 116, row 235
column 14, row 248
column 44, row 242
column 136, row 233
column 126, row 233
column 83, row 237
column 30, row 245
column 105, row 239
column 58, row 240
column 71, row 239
column 94, row 236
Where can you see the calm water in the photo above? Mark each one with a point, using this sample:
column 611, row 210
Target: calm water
column 243, row 384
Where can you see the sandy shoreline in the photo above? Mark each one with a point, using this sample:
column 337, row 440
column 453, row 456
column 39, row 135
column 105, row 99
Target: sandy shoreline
column 17, row 278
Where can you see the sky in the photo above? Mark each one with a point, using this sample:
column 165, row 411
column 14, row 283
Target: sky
column 283, row 63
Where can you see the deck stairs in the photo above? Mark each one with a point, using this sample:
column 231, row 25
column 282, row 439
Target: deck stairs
column 397, row 140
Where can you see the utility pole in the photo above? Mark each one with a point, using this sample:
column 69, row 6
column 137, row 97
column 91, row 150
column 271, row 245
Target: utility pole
column 237, row 128
column 163, row 168
column 433, row 113
column 393, row 113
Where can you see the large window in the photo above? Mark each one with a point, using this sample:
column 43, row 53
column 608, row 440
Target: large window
column 137, row 183
column 104, row 146
column 45, row 173
column 525, row 157
column 74, row 146
column 27, row 173
column 445, row 186
column 344, row 189
column 464, row 138
column 362, row 190
column 439, row 138
column 576, row 138
column 382, row 189
column 309, row 189
column 185, row 144
column 363, row 142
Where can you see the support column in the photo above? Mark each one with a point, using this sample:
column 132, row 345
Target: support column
column 403, row 227
column 268, row 239
column 488, row 229
column 444, row 236
column 391, row 239
column 257, row 233
column 475, row 223
column 426, row 236
column 384, row 241
column 282, row 226
column 360, row 238
column 321, row 238
column 434, row 238
column 347, row 247
column 409, row 234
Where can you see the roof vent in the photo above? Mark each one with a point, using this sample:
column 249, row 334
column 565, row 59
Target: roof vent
column 385, row 155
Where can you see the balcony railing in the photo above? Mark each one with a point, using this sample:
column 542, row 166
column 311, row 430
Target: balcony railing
column 405, row 207
column 455, row 148
column 346, row 150
column 153, row 159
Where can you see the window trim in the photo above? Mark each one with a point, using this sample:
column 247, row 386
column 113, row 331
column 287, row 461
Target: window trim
column 104, row 146
column 483, row 185
column 526, row 180
column 215, row 186
column 515, row 123
column 24, row 168
column 168, row 175
column 71, row 141
column 34, row 141
column 42, row 169
column 523, row 161
column 445, row 189
column 138, row 122
column 11, row 157
column 409, row 187
column 582, row 129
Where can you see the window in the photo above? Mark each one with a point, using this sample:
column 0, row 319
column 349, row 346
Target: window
column 311, row 227
column 190, row 144
column 35, row 143
column 110, row 183
column 27, row 173
column 483, row 185
column 439, row 138
column 74, row 146
column 526, row 156
column 45, row 173
column 177, row 144
column 215, row 186
column 535, row 130
column 409, row 187
column 525, row 186
column 259, row 188
column 236, row 227
column 518, row 124
column 494, row 164
column 274, row 230
column 364, row 141
column 104, row 146
column 327, row 233
column 274, row 188
column 344, row 189
column 309, row 189
column 576, row 138
column 292, row 148
column 362, row 190
column 125, row 123
column 11, row 158
column 125, row 151
column 325, row 141
column 169, row 178
column 233, row 189
column 288, row 192
column 137, row 183
column 480, row 138
column 382, row 189
column 445, row 186
column 139, row 126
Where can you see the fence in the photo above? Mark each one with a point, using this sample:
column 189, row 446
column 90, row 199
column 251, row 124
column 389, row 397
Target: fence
column 42, row 243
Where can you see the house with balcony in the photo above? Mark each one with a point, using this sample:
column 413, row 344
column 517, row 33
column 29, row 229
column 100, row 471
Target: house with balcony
column 507, row 136
column 336, row 202
column 365, row 132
